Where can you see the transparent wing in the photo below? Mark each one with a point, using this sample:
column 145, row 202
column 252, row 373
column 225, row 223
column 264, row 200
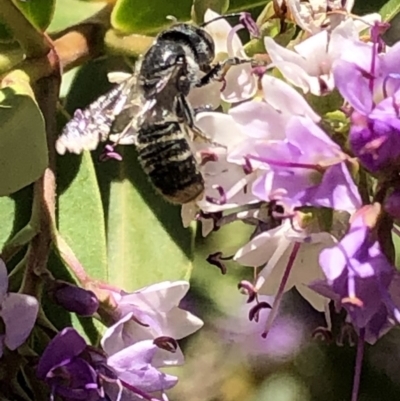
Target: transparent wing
column 90, row 126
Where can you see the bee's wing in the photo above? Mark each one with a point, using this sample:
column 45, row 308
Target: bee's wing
column 92, row 125
column 125, row 126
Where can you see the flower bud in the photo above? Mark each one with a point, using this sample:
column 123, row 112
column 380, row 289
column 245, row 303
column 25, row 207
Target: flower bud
column 75, row 299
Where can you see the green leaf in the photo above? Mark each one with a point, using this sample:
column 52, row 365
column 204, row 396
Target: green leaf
column 146, row 240
column 23, row 148
column 5, row 34
column 38, row 12
column 10, row 55
column 67, row 81
column 390, row 10
column 71, row 12
column 246, row 5
column 15, row 212
column 138, row 16
column 362, row 7
column 325, row 104
column 201, row 6
column 270, row 29
column 81, row 214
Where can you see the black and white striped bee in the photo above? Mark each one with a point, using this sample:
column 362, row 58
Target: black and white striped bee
column 149, row 109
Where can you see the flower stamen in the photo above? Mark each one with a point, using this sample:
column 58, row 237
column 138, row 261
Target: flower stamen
column 166, row 343
column 222, row 194
column 282, row 285
column 254, row 313
column 247, row 288
column 216, row 260
column 280, row 163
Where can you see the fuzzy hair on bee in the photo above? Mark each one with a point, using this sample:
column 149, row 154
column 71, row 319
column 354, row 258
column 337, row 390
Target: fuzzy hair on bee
column 149, row 109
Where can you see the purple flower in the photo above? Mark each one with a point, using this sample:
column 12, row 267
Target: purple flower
column 228, row 174
column 370, row 82
column 68, row 368
column 306, row 168
column 360, row 278
column 18, row 312
column 77, row 371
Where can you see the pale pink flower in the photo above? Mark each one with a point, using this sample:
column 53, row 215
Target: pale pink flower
column 309, row 66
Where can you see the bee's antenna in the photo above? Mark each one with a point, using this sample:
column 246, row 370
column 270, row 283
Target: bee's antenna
column 221, row 17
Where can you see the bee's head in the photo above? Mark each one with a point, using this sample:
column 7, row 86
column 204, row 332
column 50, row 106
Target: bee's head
column 198, row 39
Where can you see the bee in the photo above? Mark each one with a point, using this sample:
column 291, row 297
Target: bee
column 149, row 109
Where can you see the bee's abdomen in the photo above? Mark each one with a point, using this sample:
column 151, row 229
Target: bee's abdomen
column 167, row 159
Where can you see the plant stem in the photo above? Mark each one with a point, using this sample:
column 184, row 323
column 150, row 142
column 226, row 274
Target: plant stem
column 34, row 42
column 358, row 366
column 44, row 191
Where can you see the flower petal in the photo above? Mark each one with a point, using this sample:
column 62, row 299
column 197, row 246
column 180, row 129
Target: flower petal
column 64, row 346
column 219, row 30
column 221, row 128
column 241, row 84
column 179, row 323
column 161, row 297
column 259, row 120
column 114, row 338
column 19, row 312
column 353, row 86
column 261, row 248
column 133, row 365
column 284, row 98
column 135, row 356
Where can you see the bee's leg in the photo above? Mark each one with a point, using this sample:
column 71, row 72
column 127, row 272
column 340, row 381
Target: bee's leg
column 185, row 111
column 219, row 70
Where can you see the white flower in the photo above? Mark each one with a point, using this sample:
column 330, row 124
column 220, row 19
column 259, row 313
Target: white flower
column 149, row 313
column 273, row 248
column 240, row 83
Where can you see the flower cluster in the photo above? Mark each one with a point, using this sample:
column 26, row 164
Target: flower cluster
column 319, row 180
column 304, row 146
column 144, row 328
